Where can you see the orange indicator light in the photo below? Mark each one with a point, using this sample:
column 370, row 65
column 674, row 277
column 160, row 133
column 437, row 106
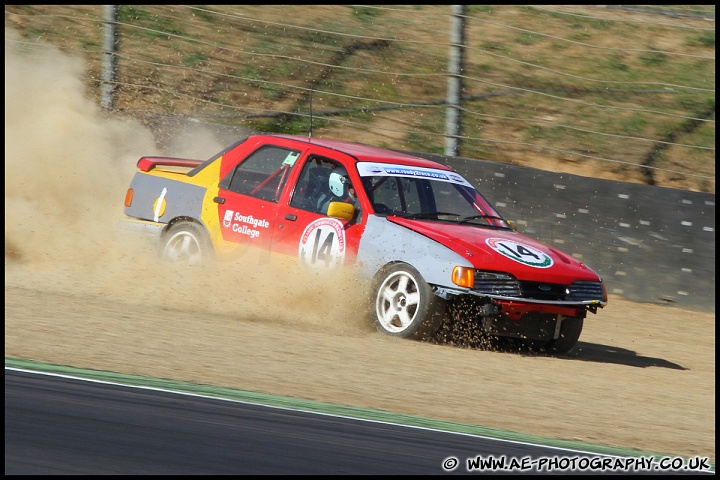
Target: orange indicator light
column 463, row 276
column 129, row 197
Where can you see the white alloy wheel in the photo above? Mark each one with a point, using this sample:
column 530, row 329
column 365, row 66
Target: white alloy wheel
column 185, row 244
column 405, row 305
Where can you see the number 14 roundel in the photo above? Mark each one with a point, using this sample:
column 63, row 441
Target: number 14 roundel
column 322, row 244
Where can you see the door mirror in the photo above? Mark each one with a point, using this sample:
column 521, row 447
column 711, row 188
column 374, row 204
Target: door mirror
column 342, row 210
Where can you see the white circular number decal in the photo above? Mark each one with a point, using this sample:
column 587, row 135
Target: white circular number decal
column 520, row 253
column 322, row 244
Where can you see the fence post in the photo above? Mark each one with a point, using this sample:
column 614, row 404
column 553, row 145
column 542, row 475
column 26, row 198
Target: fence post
column 110, row 48
column 454, row 91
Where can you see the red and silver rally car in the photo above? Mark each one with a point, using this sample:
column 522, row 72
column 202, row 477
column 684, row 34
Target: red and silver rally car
column 420, row 234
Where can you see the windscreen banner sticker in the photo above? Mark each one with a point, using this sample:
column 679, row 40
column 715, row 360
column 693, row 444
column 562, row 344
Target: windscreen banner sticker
column 244, row 224
column 370, row 169
column 322, row 244
column 520, row 253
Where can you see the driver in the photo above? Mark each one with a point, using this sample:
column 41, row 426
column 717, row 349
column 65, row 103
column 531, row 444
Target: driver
column 341, row 190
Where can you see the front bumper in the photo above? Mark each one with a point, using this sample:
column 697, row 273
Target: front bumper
column 564, row 303
column 516, row 307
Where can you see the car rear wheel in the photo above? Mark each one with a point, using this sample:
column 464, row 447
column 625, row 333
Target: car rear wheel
column 405, row 305
column 187, row 244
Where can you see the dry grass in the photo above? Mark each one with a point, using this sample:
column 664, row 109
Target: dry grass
column 599, row 72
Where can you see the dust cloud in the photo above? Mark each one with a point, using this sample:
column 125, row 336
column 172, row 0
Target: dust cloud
column 77, row 294
column 68, row 165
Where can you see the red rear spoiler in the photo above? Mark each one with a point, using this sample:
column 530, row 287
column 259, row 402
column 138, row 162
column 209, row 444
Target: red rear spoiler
column 148, row 163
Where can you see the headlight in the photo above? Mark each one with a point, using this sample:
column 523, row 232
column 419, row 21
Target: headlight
column 496, row 283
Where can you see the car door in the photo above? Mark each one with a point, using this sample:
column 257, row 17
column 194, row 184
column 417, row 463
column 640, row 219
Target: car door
column 304, row 230
column 249, row 194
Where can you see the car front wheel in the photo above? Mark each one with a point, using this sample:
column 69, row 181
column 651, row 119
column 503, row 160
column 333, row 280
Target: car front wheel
column 405, row 305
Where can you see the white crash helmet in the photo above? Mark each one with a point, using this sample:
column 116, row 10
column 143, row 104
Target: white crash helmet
column 337, row 183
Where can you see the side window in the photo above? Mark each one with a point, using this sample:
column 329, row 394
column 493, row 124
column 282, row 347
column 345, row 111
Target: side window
column 263, row 174
column 321, row 181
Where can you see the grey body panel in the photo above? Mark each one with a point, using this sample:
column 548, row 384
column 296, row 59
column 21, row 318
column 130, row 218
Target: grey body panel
column 182, row 199
column 385, row 242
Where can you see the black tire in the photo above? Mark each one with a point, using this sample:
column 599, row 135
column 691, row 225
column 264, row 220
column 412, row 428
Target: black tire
column 187, row 243
column 570, row 331
column 404, row 305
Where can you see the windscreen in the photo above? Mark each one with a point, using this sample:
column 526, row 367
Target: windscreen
column 417, row 192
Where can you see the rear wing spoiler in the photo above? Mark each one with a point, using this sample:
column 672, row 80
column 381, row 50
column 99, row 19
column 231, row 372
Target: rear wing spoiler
column 148, row 163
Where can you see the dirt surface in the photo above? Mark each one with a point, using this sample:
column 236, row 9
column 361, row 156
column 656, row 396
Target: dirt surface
column 77, row 293
column 642, row 376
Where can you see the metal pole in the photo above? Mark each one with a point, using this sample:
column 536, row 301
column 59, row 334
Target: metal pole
column 455, row 70
column 110, row 47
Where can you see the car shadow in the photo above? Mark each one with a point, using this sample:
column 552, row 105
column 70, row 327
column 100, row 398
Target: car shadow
column 460, row 336
column 595, row 352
